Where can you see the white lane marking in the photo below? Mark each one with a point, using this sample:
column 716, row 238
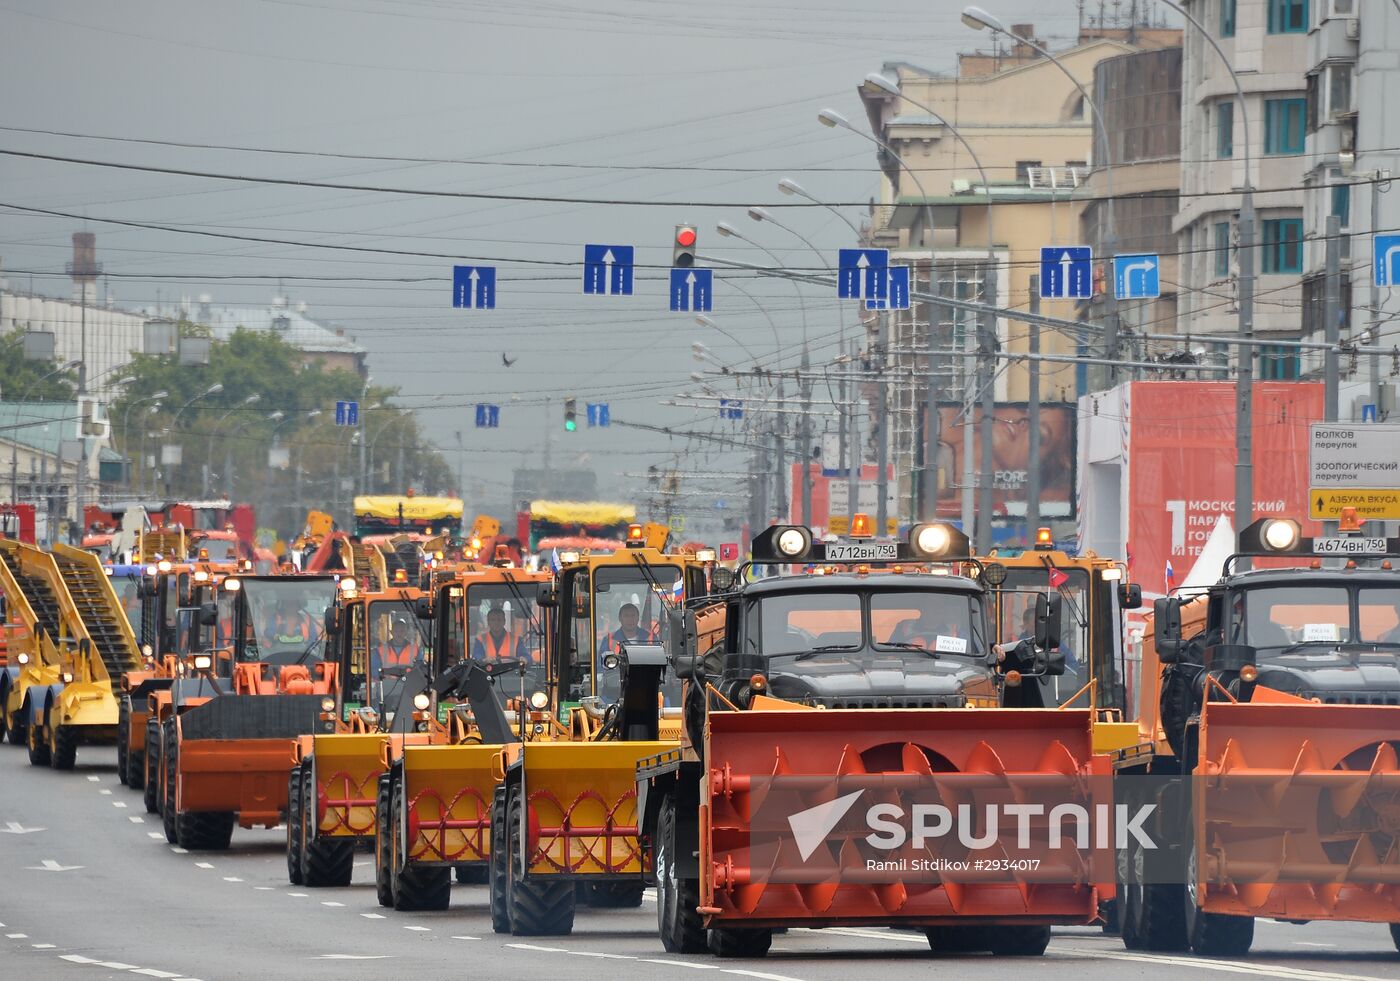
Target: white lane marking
column 49, row 865
column 373, row 916
column 76, row 958
column 920, row 939
column 466, row 938
column 93, row 779
column 232, row 878
column 105, row 792
column 152, row 972
column 117, row 965
column 1310, row 943
column 419, row 929
column 42, row 946
column 329, row 903
column 204, row 865
column 178, row 850
column 136, row 819
column 15, row 828
column 298, row 895
column 350, row 957
column 263, row 888
column 611, row 957
column 757, row 974
column 186, row 979
column 1229, row 967
column 119, row 803
column 16, row 936
column 155, row 834
column 552, row 950
column 691, row 964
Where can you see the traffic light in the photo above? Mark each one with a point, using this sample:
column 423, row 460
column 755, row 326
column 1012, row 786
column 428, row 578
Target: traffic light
column 683, row 248
column 570, row 414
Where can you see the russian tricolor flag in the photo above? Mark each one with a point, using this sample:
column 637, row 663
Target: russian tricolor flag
column 1171, row 576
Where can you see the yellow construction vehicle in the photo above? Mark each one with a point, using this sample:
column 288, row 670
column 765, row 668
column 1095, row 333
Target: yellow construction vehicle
column 564, row 819
column 79, row 644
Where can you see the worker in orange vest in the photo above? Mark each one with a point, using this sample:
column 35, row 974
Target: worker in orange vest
column 629, row 632
column 401, row 648
column 496, row 642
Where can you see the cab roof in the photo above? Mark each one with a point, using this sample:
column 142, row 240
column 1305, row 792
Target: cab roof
column 847, row 581
column 1295, row 576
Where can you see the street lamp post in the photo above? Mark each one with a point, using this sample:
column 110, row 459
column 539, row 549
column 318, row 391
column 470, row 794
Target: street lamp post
column 1244, row 380
column 126, row 438
column 214, row 389
column 253, row 399
column 14, row 434
column 779, row 432
column 141, row 483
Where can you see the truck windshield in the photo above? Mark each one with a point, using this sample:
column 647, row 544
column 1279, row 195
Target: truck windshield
column 885, row 620
column 628, row 609
column 1273, row 619
column 286, row 619
column 498, row 624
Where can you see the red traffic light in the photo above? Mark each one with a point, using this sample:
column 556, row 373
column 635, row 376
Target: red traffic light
column 685, row 235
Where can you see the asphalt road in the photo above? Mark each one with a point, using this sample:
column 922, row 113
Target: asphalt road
column 89, row 889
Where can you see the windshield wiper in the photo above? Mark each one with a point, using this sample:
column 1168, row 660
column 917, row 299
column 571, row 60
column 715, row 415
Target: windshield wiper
column 905, row 645
column 814, row 651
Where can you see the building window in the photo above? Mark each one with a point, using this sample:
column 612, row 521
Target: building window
column 1024, row 168
column 1283, row 245
column 1220, row 232
column 1278, row 363
column 1283, row 125
column 1288, row 16
column 1225, row 130
column 1341, row 204
column 1338, row 89
column 1343, row 8
column 1227, row 18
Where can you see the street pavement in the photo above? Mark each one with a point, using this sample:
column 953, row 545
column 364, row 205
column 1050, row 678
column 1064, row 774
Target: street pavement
column 89, row 889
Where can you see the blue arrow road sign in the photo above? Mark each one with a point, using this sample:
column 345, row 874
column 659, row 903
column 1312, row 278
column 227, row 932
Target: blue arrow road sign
column 1135, row 277
column 860, row 276
column 691, row 290
column 474, row 287
column 896, row 290
column 1066, row 273
column 607, row 269
column 488, row 416
column 347, row 413
column 731, row 408
column 1386, row 261
column 599, row 414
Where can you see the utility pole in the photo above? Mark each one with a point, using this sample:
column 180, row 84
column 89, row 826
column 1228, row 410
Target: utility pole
column 1244, row 384
column 882, row 448
column 805, row 429
column 1033, row 418
column 933, row 422
column 1375, row 358
column 855, row 461
column 986, row 377
column 82, row 419
column 969, row 384
column 1331, row 309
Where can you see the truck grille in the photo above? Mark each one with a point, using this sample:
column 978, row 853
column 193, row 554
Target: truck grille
column 1354, row 698
column 897, row 702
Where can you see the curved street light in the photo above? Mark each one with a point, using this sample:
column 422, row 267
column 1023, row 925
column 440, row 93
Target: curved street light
column 253, row 399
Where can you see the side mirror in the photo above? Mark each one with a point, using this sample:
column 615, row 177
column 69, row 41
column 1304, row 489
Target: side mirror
column 1047, row 621
column 423, row 608
column 1130, row 596
column 183, row 590
column 548, row 595
column 332, row 620
column 684, row 638
column 581, row 607
column 1054, row 661
column 208, row 614
column 1166, row 629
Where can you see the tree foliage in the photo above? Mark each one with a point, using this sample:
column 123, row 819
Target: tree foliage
column 266, row 396
column 21, row 379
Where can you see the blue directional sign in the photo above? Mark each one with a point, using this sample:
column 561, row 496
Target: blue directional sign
column 860, row 275
column 474, row 287
column 488, row 416
column 692, row 290
column 1368, row 412
column 1386, row 261
column 731, row 408
column 1136, row 277
column 896, row 290
column 347, row 413
column 607, row 269
column 1066, row 273
column 599, row 414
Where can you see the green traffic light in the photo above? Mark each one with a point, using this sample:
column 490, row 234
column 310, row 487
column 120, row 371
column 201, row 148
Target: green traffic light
column 570, row 425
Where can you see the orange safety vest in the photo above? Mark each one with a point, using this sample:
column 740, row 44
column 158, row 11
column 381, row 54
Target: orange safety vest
column 615, row 639
column 406, row 654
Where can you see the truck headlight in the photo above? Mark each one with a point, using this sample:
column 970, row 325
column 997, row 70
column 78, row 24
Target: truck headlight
column 421, row 701
column 328, row 704
column 203, row 662
column 68, row 677
column 539, row 701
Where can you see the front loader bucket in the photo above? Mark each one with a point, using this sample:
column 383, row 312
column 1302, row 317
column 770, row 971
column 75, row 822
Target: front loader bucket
column 801, row 814
column 448, row 792
column 1297, row 811
column 583, row 807
column 347, row 769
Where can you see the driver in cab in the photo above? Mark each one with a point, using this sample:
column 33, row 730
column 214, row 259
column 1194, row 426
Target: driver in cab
column 400, row 649
column 924, row 630
column 496, row 643
column 291, row 627
column 629, row 631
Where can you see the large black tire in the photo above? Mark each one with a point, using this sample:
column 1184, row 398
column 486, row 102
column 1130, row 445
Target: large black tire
column 38, row 742
column 296, row 834
column 681, row 928
column 1395, row 935
column 204, row 831
column 416, row 887
column 1163, row 924
column 958, row 939
column 150, row 762
column 1213, row 934
column 15, row 730
column 63, row 746
column 123, row 738
column 471, row 875
column 615, row 895
column 382, row 833
column 168, row 764
column 542, row 906
column 1018, row 941
column 498, row 872
column 324, row 861
column 740, row 943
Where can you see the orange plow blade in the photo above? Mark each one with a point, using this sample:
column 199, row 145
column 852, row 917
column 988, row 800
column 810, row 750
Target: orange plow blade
column 1298, row 811
column 901, row 817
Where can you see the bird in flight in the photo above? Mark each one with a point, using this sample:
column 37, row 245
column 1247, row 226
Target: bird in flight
column 508, row 362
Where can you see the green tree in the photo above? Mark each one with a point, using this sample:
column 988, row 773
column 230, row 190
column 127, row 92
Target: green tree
column 20, row 378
